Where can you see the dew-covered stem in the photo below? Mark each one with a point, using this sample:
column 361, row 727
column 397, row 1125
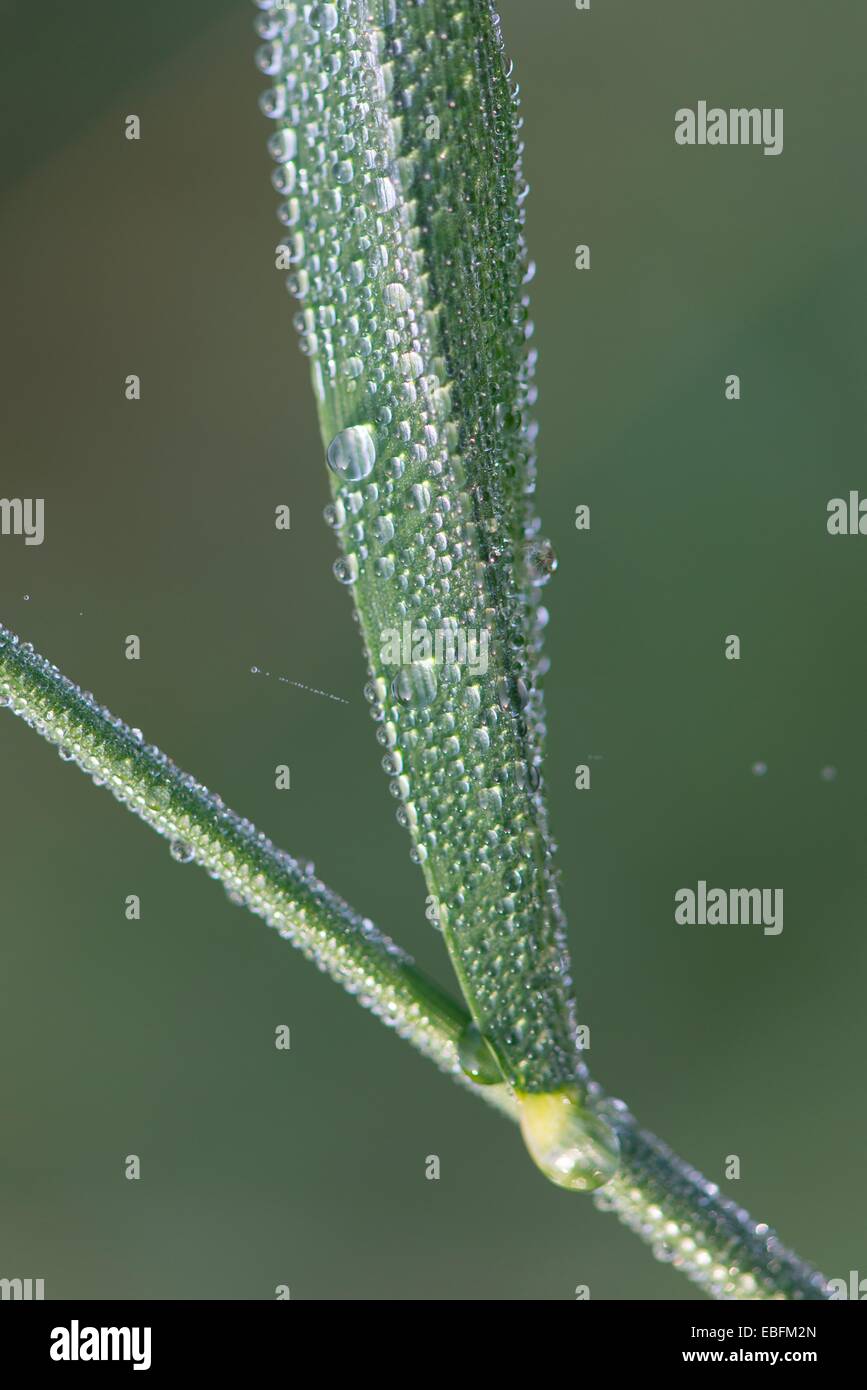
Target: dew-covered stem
column 200, row 828
column 669, row 1205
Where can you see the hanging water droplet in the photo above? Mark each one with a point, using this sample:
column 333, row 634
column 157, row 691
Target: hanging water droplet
column 572, row 1145
column 283, row 145
column 284, row 179
column 352, row 453
column 476, row 1058
column 272, row 103
column 828, row 774
column 269, row 58
column 335, row 515
column 541, row 562
column 65, row 753
column 180, row 850
column 759, row 769
column 346, row 569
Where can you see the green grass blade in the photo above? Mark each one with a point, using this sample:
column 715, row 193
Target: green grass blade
column 396, row 147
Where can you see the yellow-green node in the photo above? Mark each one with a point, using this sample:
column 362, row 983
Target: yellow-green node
column 571, row 1144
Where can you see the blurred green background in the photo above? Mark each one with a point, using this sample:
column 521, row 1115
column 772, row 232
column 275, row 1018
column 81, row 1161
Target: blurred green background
column 307, row 1168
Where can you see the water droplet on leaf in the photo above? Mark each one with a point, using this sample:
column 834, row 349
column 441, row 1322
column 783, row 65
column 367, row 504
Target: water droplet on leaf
column 352, row 453
column 346, row 569
column 417, row 682
column 397, row 296
column 476, row 1058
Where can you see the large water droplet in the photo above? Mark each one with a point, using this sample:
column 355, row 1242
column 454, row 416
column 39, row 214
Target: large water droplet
column 476, row 1058
column 417, row 682
column 352, row 453
column 572, row 1145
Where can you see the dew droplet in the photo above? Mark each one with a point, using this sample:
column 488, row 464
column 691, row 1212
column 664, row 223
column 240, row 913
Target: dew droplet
column 283, row 145
column 346, row 569
column 411, row 365
column 335, row 515
column 384, row 194
column 352, row 453
column 476, row 1058
column 324, row 17
column 574, row 1147
column 759, row 769
column 269, row 58
column 420, row 494
column 415, row 683
column 540, row 561
column 272, row 103
column 397, row 296
column 180, row 850
column 828, row 774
